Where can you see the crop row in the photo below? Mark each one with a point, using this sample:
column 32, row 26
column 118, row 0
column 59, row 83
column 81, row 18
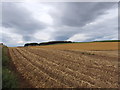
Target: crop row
column 59, row 68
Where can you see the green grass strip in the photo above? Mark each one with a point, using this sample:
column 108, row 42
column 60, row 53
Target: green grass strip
column 9, row 78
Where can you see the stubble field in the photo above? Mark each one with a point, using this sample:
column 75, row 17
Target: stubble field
column 78, row 65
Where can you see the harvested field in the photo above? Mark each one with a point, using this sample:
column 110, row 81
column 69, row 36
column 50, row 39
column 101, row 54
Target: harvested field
column 61, row 66
column 85, row 46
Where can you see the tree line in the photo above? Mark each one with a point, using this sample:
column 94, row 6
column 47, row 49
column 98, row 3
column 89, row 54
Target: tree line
column 46, row 43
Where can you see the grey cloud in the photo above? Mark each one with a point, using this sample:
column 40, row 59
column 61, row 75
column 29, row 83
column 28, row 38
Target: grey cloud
column 29, row 37
column 7, row 40
column 69, row 19
column 98, row 31
column 79, row 14
column 119, row 20
column 20, row 19
column 62, row 37
column 64, row 34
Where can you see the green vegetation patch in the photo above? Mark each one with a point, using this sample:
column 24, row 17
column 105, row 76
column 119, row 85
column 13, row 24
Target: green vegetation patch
column 9, row 79
column 108, row 41
column 5, row 58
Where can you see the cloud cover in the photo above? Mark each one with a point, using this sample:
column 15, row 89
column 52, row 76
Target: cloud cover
column 75, row 21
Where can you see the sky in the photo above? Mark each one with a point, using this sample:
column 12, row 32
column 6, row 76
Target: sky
column 50, row 21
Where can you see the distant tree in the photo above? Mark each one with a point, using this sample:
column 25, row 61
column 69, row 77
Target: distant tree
column 54, row 42
column 1, row 43
column 31, row 44
column 46, row 43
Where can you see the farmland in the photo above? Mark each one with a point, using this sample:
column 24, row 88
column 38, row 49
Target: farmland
column 76, row 65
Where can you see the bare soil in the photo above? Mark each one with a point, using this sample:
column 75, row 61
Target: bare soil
column 66, row 68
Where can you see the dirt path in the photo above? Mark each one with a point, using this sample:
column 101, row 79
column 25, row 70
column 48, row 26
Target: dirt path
column 47, row 68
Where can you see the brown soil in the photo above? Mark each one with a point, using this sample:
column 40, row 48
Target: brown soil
column 65, row 68
column 23, row 83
